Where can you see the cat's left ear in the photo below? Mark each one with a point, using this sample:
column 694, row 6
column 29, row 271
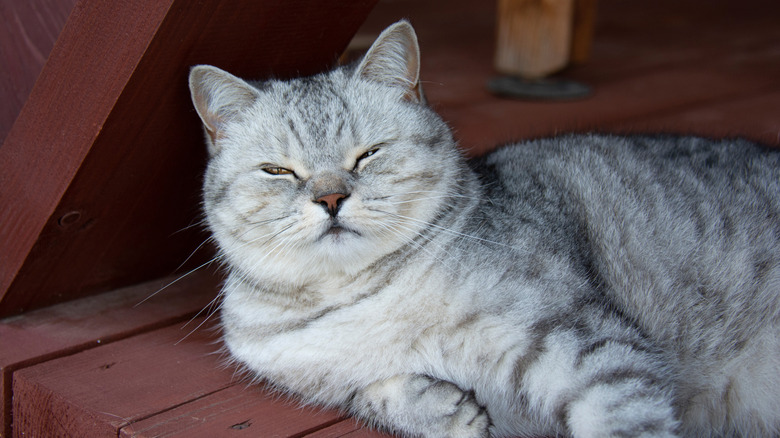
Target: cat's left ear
column 394, row 60
column 218, row 96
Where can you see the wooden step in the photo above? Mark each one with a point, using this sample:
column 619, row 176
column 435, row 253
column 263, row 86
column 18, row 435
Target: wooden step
column 171, row 381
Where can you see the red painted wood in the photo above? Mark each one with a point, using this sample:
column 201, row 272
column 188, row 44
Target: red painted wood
column 347, row 428
column 99, row 391
column 755, row 117
column 90, row 322
column 170, row 381
column 28, row 30
column 101, row 171
column 239, row 410
column 647, row 95
column 84, row 76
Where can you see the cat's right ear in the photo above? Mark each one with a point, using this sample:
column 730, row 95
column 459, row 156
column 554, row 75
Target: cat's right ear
column 394, row 60
column 218, row 96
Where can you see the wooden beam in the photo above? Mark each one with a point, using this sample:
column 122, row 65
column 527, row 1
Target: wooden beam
column 27, row 34
column 100, row 174
column 582, row 30
column 533, row 37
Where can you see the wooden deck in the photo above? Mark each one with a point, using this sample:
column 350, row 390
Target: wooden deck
column 105, row 366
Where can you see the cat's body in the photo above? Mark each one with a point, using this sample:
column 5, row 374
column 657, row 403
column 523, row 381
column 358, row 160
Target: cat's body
column 584, row 285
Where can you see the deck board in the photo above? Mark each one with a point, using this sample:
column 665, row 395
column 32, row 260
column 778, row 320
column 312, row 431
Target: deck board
column 233, row 411
column 168, row 382
column 68, row 328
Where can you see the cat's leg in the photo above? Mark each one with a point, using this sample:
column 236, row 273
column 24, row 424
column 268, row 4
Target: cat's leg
column 417, row 405
column 601, row 385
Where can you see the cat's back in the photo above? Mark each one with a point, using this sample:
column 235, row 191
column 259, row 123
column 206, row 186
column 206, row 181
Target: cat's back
column 687, row 164
column 682, row 233
column 711, row 191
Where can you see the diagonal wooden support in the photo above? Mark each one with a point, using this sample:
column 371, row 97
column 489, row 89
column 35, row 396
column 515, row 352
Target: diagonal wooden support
column 100, row 173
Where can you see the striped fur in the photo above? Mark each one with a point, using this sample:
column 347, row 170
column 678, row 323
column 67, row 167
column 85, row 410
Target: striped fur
column 586, row 286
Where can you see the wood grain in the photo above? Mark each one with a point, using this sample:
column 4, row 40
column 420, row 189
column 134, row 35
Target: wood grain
column 91, row 322
column 167, row 382
column 238, row 410
column 98, row 391
column 28, row 30
column 100, row 174
column 348, row 428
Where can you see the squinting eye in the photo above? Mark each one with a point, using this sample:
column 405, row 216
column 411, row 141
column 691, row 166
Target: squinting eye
column 277, row 170
column 368, row 154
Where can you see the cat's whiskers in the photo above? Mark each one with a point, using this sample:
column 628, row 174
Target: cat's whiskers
column 425, row 198
column 209, row 239
column 205, row 320
column 440, row 193
column 214, row 305
column 217, row 257
column 450, row 231
column 393, row 228
column 200, row 223
column 284, row 243
column 252, row 226
column 213, row 259
column 211, row 308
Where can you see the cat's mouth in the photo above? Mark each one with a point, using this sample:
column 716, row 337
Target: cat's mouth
column 338, row 230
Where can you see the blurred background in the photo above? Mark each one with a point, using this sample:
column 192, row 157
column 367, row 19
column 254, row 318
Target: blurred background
column 683, row 66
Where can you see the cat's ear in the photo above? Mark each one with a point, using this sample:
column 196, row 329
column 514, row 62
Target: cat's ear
column 394, row 60
column 218, row 96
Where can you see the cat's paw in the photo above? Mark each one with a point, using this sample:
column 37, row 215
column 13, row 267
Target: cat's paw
column 469, row 419
column 421, row 406
column 459, row 414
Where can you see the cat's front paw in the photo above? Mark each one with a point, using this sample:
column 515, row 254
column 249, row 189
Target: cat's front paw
column 469, row 419
column 458, row 413
column 421, row 406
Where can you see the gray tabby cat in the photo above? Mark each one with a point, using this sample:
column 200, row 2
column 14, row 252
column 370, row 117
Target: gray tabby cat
column 590, row 286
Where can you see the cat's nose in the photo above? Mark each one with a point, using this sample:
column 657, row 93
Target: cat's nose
column 331, row 202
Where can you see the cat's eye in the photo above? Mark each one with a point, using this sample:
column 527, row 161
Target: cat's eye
column 366, row 154
column 275, row 170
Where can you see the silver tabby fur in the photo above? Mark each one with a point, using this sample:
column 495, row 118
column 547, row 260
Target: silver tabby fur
column 586, row 286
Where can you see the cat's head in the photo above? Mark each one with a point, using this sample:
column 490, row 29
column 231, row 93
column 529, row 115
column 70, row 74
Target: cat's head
column 326, row 174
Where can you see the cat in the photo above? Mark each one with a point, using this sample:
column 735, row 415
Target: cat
column 585, row 285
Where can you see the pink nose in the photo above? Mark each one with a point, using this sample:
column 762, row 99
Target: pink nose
column 331, row 202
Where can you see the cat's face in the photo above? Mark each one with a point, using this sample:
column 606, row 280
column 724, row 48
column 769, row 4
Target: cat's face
column 323, row 175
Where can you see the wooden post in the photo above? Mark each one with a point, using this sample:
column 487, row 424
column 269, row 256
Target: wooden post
column 533, row 37
column 582, row 30
column 536, row 38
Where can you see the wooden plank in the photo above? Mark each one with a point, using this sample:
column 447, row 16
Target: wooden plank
column 90, row 322
column 239, row 410
column 152, row 385
column 347, row 428
column 27, row 34
column 98, row 391
column 65, row 112
column 100, row 174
